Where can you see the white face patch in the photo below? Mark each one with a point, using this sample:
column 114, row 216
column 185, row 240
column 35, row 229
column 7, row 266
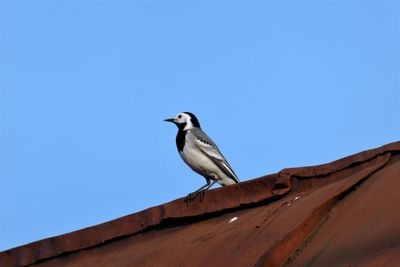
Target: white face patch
column 183, row 118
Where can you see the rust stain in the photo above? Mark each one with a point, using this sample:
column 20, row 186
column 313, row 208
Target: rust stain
column 274, row 214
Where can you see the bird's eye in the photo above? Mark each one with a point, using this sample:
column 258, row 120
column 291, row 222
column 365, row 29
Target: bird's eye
column 179, row 116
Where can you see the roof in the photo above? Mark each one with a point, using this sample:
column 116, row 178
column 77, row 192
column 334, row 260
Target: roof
column 343, row 213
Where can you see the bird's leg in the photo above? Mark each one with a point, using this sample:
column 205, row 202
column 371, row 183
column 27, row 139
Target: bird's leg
column 201, row 191
column 192, row 196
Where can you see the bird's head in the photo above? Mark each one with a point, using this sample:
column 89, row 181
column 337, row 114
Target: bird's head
column 185, row 121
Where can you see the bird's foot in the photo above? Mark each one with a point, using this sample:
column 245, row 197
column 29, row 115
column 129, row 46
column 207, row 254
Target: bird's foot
column 192, row 196
column 189, row 198
column 202, row 194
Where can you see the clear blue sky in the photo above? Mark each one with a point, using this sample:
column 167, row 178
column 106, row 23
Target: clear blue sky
column 85, row 86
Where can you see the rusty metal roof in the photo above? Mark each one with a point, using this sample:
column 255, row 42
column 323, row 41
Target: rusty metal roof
column 344, row 213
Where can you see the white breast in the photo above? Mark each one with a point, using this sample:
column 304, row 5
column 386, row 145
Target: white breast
column 201, row 163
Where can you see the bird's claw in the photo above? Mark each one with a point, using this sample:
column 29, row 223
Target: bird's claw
column 201, row 194
column 189, row 198
column 192, row 196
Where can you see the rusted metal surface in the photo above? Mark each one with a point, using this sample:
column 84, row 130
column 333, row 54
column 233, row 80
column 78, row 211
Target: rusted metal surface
column 363, row 229
column 269, row 221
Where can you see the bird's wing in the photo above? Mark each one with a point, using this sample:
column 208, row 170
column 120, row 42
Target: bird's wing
column 208, row 147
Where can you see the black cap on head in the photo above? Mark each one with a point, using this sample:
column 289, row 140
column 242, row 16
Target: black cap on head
column 194, row 120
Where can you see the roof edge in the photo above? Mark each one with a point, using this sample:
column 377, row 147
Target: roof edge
column 217, row 200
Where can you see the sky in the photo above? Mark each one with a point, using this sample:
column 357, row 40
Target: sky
column 85, row 87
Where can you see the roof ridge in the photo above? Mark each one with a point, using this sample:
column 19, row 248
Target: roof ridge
column 226, row 198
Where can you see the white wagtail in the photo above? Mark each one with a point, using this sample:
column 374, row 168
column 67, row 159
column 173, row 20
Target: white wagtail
column 201, row 154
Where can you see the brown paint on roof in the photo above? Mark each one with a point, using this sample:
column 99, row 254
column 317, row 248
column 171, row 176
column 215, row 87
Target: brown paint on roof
column 344, row 213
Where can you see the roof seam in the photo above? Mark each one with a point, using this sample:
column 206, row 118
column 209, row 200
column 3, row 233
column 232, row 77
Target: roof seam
column 335, row 201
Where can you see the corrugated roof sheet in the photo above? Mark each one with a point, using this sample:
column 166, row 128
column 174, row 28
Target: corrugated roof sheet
column 344, row 213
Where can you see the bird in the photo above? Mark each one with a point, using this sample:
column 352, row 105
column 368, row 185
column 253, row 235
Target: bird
column 201, row 154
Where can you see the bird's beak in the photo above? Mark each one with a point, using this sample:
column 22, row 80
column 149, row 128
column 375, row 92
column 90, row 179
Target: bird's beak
column 170, row 120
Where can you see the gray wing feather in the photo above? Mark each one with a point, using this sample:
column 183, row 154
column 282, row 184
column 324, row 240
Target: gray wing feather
column 208, row 147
